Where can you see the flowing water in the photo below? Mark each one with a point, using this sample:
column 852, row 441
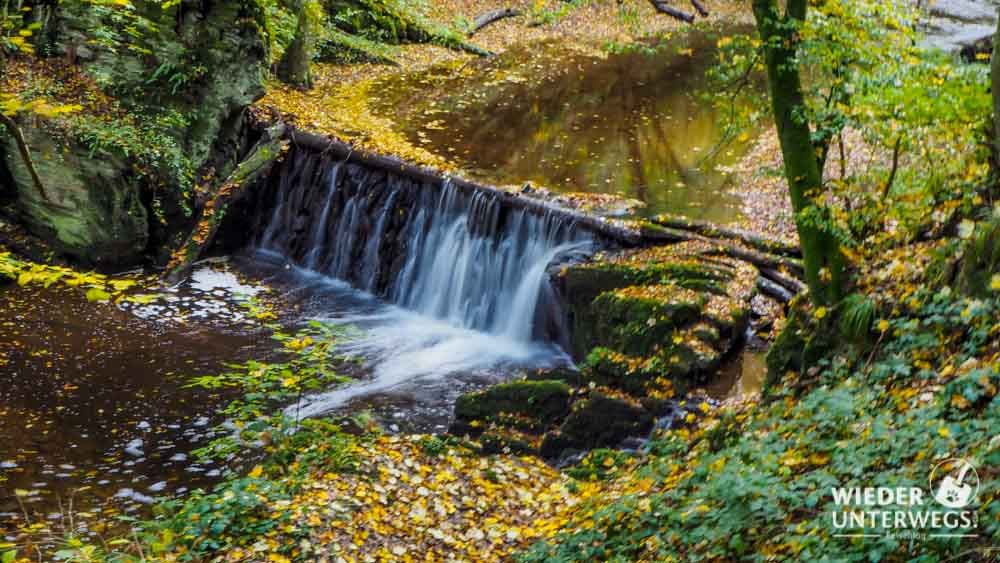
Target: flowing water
column 463, row 279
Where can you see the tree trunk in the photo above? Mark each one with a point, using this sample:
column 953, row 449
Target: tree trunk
column 995, row 88
column 294, row 65
column 822, row 260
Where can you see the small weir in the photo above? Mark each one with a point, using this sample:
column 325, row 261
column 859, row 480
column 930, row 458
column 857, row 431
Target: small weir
column 452, row 278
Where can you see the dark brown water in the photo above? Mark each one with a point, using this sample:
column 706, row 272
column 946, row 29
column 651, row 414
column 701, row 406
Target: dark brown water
column 635, row 123
column 94, row 412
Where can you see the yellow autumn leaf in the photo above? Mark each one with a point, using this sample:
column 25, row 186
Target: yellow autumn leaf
column 256, row 472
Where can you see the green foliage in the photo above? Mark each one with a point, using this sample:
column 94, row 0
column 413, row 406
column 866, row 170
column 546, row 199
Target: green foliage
column 598, row 465
column 756, row 485
column 857, row 313
column 15, row 32
column 266, row 385
column 437, row 445
column 148, row 139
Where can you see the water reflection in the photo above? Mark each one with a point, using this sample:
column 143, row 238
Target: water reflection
column 632, row 123
column 95, row 414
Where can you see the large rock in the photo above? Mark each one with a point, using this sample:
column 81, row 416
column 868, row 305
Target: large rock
column 598, row 421
column 526, row 405
column 125, row 180
column 638, row 302
column 100, row 217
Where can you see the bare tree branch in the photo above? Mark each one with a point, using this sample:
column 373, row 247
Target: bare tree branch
column 700, row 7
column 492, row 16
column 662, row 7
column 22, row 147
column 895, row 167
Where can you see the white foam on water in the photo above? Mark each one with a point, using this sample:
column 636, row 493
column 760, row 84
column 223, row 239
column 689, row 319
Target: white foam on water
column 402, row 348
column 206, row 278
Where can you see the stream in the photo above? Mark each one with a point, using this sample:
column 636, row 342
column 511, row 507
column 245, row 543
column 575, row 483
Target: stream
column 440, row 291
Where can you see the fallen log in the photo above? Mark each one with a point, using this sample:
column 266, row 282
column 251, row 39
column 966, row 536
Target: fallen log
column 664, row 8
column 256, row 165
column 755, row 240
column 789, row 283
column 492, row 17
column 657, row 233
column 774, row 290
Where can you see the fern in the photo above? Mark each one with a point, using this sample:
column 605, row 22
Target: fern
column 858, row 313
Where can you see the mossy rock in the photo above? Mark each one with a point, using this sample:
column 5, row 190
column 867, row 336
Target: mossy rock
column 545, row 401
column 608, row 368
column 610, row 299
column 99, row 217
column 801, row 343
column 638, row 319
column 506, row 440
column 601, row 420
column 569, row 375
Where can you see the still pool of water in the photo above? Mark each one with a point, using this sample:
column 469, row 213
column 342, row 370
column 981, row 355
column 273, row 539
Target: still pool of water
column 633, row 123
column 94, row 409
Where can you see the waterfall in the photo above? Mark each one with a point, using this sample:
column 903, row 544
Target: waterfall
column 463, row 258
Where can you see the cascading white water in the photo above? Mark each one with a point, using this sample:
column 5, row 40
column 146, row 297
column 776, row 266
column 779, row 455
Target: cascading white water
column 467, row 276
column 467, row 261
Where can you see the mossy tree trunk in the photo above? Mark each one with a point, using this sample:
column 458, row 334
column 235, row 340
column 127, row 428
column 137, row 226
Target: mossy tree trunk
column 822, row 259
column 294, row 65
column 995, row 88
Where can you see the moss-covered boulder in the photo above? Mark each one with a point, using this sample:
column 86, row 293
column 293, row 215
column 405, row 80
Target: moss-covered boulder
column 526, row 405
column 601, row 420
column 635, row 300
column 150, row 104
column 99, row 216
column 648, row 324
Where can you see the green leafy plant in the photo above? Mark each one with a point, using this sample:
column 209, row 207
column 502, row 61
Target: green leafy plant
column 856, row 316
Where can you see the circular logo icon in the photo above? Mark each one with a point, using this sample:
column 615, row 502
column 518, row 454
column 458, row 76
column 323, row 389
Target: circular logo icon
column 954, row 483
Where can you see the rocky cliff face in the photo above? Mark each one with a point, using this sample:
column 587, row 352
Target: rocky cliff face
column 124, row 187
